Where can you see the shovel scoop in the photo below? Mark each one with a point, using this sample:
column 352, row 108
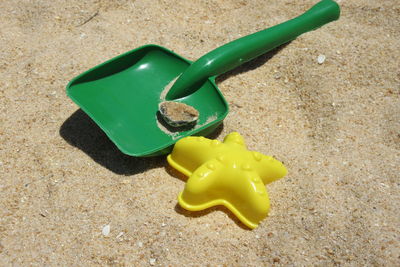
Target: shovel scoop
column 123, row 95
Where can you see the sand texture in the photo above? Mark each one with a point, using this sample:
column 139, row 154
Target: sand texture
column 327, row 105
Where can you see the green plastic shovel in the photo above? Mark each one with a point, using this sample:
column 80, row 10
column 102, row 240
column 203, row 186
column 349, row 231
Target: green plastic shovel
column 122, row 94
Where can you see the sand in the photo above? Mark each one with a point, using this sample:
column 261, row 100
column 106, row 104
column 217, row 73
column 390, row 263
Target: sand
column 68, row 197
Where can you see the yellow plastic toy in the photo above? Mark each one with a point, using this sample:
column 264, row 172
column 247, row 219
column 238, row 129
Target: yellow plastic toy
column 225, row 173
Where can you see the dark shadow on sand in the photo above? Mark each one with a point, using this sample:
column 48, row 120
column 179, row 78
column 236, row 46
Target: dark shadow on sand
column 252, row 64
column 81, row 131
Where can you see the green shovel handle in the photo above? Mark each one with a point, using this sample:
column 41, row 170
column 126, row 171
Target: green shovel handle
column 237, row 52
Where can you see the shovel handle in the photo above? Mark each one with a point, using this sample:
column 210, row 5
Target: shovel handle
column 237, row 52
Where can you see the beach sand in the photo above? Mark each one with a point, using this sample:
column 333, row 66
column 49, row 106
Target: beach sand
column 335, row 125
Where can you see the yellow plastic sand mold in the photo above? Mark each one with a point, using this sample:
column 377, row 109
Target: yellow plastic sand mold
column 225, row 173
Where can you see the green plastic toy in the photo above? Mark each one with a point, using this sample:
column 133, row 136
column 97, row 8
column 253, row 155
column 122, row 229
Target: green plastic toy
column 122, row 95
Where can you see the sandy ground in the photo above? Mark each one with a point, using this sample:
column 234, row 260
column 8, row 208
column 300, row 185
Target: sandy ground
column 335, row 125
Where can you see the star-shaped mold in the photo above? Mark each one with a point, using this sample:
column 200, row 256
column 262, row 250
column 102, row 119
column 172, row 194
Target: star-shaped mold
column 225, row 173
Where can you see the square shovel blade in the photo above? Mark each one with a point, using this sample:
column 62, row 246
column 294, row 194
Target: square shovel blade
column 122, row 96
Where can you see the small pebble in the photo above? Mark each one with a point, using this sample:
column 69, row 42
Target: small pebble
column 152, row 261
column 106, row 230
column 178, row 114
column 140, row 244
column 321, row 59
column 277, row 76
column 276, row 260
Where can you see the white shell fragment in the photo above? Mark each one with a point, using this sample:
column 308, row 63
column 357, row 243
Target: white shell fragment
column 120, row 235
column 106, row 230
column 321, row 59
